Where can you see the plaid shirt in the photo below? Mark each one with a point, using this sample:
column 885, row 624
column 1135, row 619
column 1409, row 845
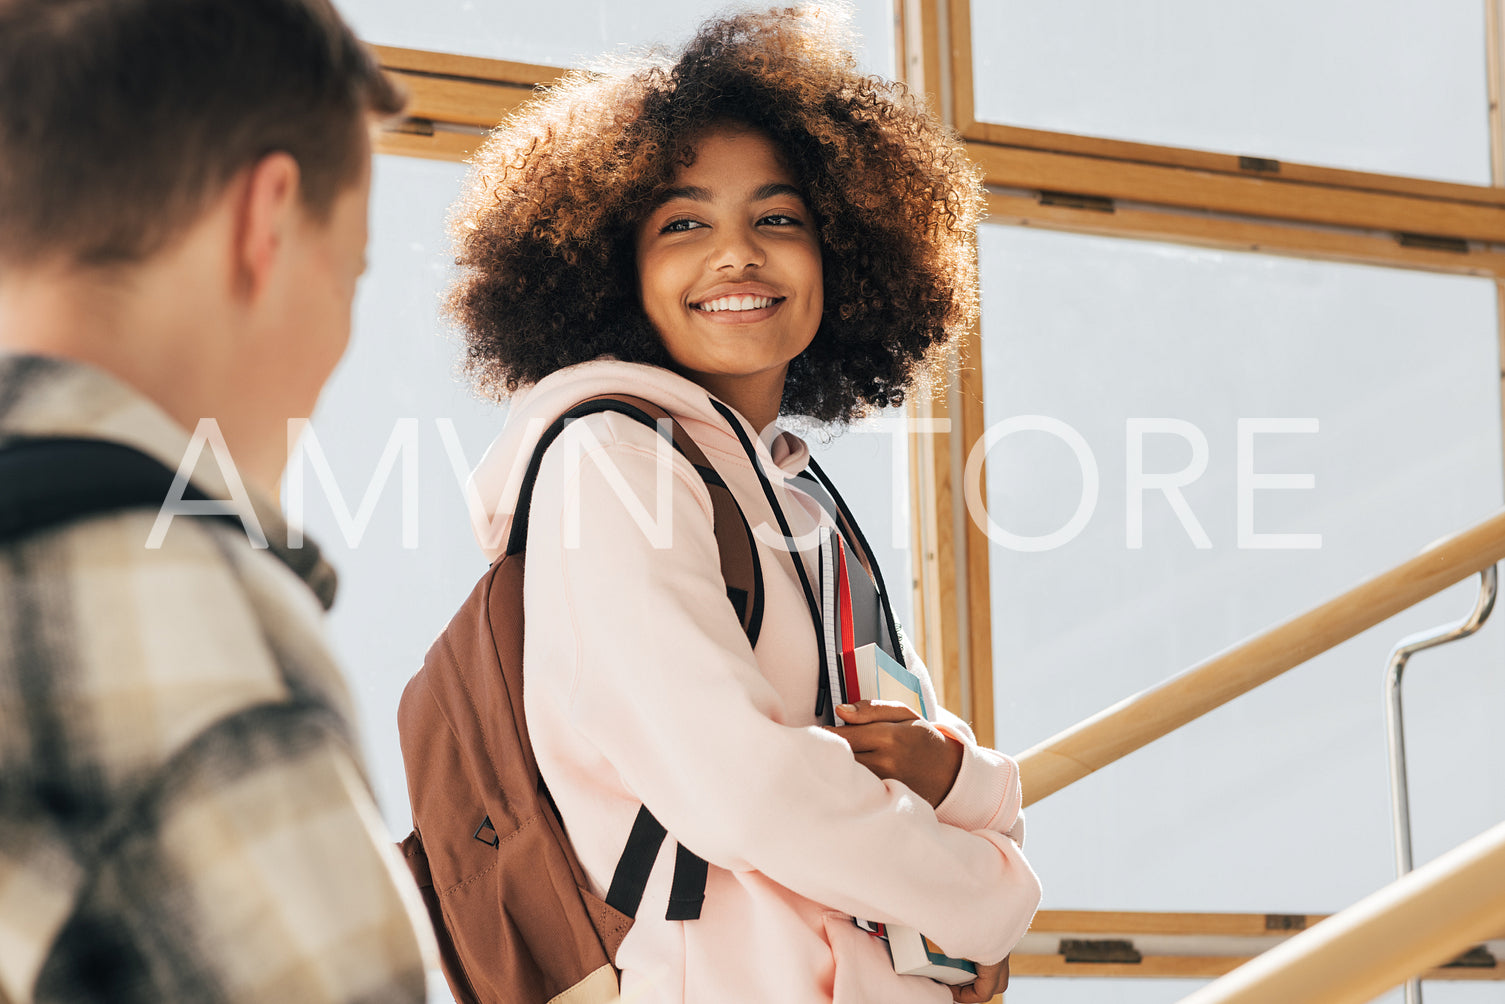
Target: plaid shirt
column 183, row 815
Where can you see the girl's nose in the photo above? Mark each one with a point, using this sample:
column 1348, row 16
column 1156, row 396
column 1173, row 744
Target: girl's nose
column 736, row 249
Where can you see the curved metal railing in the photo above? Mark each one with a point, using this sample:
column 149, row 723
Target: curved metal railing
column 1400, row 656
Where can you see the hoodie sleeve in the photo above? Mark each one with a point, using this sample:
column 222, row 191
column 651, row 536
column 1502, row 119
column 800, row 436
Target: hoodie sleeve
column 664, row 684
column 986, row 794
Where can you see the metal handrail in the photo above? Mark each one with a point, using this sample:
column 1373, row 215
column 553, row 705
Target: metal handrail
column 1400, row 655
column 1145, row 717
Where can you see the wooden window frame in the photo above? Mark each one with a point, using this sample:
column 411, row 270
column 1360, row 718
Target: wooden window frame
column 1058, row 181
column 1117, row 188
column 962, row 84
column 1131, row 190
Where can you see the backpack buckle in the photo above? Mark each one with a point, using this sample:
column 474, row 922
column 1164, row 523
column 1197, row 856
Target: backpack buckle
column 486, row 833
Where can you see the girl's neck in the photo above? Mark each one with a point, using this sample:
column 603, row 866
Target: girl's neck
column 756, row 398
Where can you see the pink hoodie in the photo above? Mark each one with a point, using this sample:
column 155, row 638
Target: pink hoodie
column 641, row 687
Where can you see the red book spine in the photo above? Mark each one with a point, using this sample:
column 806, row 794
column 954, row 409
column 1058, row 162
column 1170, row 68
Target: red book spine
column 848, row 641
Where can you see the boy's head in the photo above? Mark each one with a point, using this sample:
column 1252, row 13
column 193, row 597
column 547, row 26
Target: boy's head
column 547, row 231
column 183, row 198
column 123, row 119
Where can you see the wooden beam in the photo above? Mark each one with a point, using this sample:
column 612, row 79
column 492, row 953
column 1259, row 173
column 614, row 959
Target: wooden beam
column 936, row 600
column 940, row 617
column 962, row 85
column 976, row 547
column 963, row 88
column 411, row 141
column 966, row 616
column 921, row 59
column 1230, row 164
column 1163, row 967
column 1206, row 967
column 1035, row 170
column 1399, row 932
column 1238, row 234
column 1183, row 945
column 1123, row 922
column 445, row 64
column 470, row 90
column 451, row 97
column 458, row 101
column 1139, row 720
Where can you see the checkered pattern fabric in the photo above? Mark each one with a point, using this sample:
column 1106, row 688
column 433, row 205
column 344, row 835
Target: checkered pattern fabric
column 183, row 815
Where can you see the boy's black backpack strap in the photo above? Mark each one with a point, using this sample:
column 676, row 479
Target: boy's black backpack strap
column 47, row 482
column 744, row 588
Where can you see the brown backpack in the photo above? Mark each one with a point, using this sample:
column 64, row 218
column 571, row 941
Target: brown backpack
column 514, row 916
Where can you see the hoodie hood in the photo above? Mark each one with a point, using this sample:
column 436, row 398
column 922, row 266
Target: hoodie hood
column 494, row 484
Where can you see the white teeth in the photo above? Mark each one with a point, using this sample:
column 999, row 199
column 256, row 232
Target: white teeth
column 737, row 303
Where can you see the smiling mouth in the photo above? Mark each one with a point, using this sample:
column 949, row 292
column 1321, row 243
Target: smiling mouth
column 737, row 303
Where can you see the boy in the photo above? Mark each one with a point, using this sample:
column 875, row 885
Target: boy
column 183, row 816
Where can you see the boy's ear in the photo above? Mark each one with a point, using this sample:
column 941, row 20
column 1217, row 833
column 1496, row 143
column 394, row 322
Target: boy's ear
column 269, row 209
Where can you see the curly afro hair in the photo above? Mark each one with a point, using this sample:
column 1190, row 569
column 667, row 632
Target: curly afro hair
column 545, row 231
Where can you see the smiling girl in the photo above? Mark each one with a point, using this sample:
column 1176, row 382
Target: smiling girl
column 753, row 231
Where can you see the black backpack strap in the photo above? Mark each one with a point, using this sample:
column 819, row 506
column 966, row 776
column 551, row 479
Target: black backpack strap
column 686, row 893
column 823, row 704
column 47, row 482
column 743, row 573
column 636, row 862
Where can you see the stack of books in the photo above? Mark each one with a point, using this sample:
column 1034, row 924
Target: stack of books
column 867, row 672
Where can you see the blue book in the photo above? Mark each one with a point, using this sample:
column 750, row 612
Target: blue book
column 881, row 677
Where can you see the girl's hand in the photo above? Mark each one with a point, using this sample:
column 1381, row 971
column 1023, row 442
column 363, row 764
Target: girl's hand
column 991, row 980
column 893, row 742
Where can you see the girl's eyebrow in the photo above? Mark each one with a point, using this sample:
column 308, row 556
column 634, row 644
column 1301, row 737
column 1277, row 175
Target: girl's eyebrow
column 696, row 193
column 775, row 188
column 692, row 192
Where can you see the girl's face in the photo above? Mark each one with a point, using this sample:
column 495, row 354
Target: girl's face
column 729, row 268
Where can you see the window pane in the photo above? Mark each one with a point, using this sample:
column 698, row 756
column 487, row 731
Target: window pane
column 572, row 32
column 1277, row 802
column 1393, row 86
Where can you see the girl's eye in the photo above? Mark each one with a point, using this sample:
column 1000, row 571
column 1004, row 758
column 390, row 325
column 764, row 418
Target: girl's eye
column 780, row 220
column 680, row 226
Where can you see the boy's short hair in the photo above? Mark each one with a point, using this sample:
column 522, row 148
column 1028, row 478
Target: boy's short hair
column 122, row 119
column 544, row 231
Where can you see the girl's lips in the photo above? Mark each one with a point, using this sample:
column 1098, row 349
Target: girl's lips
column 738, row 316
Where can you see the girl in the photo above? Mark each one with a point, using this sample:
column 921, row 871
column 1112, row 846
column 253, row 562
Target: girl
column 755, row 230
